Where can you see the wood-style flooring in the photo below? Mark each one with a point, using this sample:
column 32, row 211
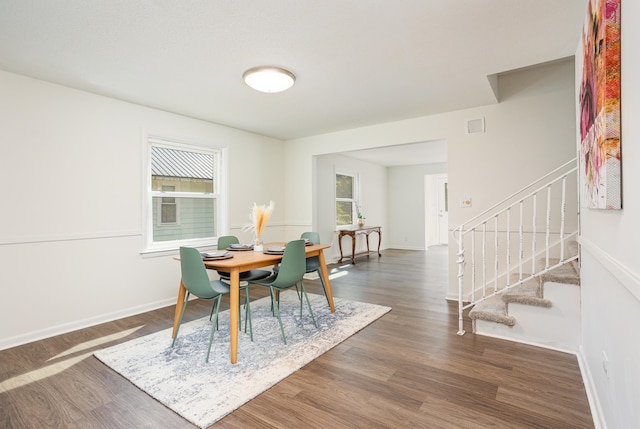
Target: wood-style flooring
column 408, row 369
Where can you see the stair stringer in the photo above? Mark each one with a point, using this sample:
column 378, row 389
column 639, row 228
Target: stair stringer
column 556, row 327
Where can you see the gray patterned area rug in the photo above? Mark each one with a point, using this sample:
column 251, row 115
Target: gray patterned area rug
column 204, row 392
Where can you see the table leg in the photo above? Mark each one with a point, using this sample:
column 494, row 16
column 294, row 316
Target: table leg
column 340, row 235
column 325, row 277
column 353, row 249
column 234, row 298
column 182, row 292
column 368, row 245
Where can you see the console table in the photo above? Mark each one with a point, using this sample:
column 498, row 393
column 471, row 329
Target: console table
column 354, row 230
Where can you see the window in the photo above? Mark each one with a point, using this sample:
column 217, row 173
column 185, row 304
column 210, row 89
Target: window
column 183, row 189
column 346, row 198
column 168, row 207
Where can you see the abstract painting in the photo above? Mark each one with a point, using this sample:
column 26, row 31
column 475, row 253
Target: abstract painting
column 600, row 155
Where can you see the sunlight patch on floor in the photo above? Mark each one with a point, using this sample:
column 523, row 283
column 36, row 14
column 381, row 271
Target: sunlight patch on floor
column 58, row 367
column 97, row 342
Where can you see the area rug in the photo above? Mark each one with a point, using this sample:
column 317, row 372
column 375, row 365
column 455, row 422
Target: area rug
column 203, row 392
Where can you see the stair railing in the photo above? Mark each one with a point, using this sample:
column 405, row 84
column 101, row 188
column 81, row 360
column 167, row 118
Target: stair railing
column 489, row 236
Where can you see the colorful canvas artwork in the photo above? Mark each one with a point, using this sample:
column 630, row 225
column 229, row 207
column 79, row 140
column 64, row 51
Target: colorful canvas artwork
column 600, row 155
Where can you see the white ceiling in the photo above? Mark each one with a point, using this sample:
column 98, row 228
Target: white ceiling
column 357, row 62
column 403, row 155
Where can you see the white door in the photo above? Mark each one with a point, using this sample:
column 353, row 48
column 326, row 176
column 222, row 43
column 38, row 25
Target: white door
column 443, row 210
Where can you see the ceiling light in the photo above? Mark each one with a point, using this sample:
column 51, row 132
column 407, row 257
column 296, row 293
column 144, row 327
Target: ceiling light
column 269, row 79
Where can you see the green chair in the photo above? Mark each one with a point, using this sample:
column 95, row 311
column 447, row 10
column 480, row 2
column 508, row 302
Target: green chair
column 223, row 243
column 290, row 273
column 196, row 281
column 313, row 262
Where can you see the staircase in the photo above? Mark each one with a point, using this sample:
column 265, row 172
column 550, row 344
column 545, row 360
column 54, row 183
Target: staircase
column 518, row 269
column 544, row 310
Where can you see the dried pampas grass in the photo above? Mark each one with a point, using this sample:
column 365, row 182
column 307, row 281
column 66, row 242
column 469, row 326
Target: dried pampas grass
column 259, row 216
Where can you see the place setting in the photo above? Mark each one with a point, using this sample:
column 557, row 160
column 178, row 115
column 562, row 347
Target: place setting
column 216, row 256
column 238, row 247
column 274, row 250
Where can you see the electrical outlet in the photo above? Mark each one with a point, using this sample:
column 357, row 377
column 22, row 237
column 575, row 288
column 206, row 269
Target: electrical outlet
column 605, row 363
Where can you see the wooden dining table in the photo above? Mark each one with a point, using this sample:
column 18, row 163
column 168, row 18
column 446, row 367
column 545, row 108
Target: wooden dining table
column 245, row 260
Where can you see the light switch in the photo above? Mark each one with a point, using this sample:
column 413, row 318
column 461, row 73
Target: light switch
column 465, row 202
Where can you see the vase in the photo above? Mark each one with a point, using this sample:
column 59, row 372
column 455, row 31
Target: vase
column 257, row 244
column 360, row 222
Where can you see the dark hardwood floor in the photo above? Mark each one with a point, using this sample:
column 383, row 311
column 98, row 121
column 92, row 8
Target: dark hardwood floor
column 407, row 369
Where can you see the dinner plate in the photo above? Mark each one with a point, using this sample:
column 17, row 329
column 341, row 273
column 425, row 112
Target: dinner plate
column 239, row 247
column 214, row 256
column 273, row 252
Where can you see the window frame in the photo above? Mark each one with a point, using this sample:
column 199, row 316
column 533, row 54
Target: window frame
column 218, row 196
column 161, row 202
column 354, row 201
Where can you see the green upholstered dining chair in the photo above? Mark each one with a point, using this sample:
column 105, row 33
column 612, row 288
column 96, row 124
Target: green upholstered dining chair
column 197, row 282
column 290, row 273
column 224, row 242
column 313, row 262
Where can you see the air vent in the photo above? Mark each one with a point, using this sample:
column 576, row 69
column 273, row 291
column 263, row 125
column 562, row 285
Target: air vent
column 475, row 126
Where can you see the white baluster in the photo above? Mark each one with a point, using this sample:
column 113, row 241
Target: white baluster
column 508, row 246
column 473, row 265
column 460, row 262
column 535, row 233
column 484, row 259
column 548, row 233
column 562, row 213
column 495, row 272
column 521, row 238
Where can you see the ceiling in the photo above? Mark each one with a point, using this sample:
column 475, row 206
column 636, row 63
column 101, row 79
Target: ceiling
column 403, row 155
column 357, row 62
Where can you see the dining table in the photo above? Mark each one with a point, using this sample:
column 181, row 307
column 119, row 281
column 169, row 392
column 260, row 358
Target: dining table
column 245, row 260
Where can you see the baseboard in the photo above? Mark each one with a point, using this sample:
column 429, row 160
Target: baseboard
column 64, row 328
column 529, row 343
column 404, row 247
column 592, row 395
column 451, row 297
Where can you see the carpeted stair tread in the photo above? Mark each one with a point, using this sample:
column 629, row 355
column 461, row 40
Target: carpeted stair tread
column 529, row 293
column 565, row 273
column 492, row 309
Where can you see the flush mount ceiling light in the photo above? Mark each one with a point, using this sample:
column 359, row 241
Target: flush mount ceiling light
column 269, row 79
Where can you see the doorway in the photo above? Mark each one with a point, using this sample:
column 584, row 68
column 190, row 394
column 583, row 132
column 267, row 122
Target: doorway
column 436, row 220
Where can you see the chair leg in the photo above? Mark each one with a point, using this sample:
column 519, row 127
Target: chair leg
column 247, row 314
column 211, row 315
column 299, row 298
column 324, row 288
column 298, row 291
column 213, row 327
column 304, row 292
column 184, row 307
column 240, row 312
column 277, row 310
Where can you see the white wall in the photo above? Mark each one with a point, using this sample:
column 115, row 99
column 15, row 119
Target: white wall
column 407, row 205
column 535, row 118
column 70, row 224
column 611, row 264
